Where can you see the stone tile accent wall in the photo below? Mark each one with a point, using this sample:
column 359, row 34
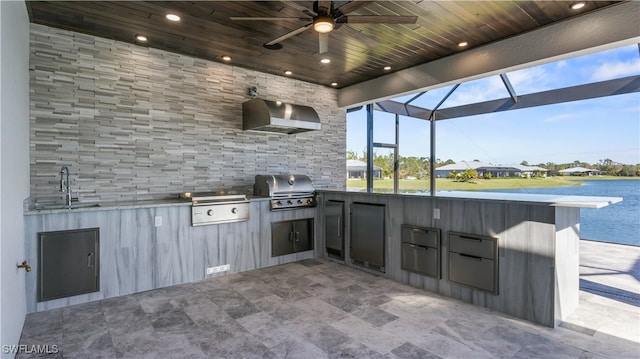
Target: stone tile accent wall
column 133, row 122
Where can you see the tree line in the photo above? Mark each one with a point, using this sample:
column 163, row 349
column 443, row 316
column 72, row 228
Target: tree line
column 419, row 167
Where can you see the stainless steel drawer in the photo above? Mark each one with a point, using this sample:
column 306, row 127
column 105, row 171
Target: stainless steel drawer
column 475, row 272
column 428, row 237
column 419, row 259
column 474, row 245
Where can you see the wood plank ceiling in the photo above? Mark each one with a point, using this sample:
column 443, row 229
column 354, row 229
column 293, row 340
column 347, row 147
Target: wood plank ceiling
column 358, row 52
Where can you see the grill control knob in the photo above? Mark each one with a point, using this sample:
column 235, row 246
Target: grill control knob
column 278, row 203
column 299, row 201
column 234, row 210
column 289, row 202
column 210, row 212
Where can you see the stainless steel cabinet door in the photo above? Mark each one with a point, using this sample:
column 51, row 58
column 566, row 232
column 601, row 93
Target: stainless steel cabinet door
column 302, row 236
column 291, row 236
column 281, row 238
column 68, row 263
column 368, row 234
column 334, row 228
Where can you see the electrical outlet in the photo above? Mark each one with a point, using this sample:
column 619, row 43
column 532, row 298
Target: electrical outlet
column 436, row 213
column 158, row 221
column 218, row 269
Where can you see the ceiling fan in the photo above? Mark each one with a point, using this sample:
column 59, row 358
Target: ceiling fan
column 325, row 17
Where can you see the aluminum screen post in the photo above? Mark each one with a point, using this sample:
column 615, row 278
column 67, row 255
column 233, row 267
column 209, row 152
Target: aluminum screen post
column 370, row 148
column 432, row 162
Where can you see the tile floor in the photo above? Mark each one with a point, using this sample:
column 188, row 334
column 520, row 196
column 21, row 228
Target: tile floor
column 320, row 309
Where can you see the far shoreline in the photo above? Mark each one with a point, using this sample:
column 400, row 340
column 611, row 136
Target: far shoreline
column 484, row 184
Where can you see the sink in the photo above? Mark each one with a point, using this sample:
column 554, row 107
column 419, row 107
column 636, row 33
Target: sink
column 64, row 206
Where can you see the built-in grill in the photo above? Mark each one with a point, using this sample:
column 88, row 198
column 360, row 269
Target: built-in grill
column 286, row 191
column 217, row 207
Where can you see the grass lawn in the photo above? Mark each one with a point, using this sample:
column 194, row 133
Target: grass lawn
column 480, row 184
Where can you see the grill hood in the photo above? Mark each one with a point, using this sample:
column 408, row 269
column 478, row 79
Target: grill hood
column 278, row 117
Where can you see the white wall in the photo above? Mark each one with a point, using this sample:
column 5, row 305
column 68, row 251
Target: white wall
column 14, row 166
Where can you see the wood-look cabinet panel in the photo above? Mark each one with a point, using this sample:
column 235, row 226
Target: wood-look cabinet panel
column 524, row 261
column 137, row 255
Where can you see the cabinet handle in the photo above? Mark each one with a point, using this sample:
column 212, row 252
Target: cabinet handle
column 418, row 247
column 339, row 228
column 474, row 258
column 418, row 230
column 89, row 263
column 290, row 236
column 297, row 236
column 475, row 239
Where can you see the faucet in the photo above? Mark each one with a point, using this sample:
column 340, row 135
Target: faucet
column 65, row 186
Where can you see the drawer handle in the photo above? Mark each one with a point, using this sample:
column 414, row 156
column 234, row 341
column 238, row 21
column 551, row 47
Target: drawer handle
column 475, row 239
column 418, row 230
column 474, row 258
column 418, row 247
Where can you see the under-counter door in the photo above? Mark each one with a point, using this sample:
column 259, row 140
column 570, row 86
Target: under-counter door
column 281, row 238
column 367, row 234
column 302, row 236
column 68, row 263
column 334, row 228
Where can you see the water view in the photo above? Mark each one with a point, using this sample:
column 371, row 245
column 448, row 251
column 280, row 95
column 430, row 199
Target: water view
column 617, row 223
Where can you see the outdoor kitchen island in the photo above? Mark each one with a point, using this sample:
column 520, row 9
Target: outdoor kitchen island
column 534, row 264
column 146, row 245
column 536, row 242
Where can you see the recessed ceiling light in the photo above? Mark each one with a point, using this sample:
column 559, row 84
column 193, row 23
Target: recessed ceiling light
column 463, row 44
column 325, row 61
column 226, row 58
column 141, row 38
column 387, row 68
column 334, row 84
column 172, row 17
column 578, row 5
column 288, row 72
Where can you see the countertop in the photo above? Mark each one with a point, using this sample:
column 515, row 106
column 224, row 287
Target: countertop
column 104, row 206
column 537, row 199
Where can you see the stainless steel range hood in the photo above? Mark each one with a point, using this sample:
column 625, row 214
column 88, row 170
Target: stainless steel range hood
column 279, row 117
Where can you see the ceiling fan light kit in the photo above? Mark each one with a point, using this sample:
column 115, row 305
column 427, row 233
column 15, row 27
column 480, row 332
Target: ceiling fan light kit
column 323, row 24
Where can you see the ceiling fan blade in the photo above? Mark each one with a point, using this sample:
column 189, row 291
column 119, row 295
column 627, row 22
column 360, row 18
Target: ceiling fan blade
column 245, row 18
column 350, row 7
column 289, row 34
column 378, row 19
column 323, row 42
column 294, row 5
column 351, row 32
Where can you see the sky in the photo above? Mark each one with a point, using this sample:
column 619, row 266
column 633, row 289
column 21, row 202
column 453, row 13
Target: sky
column 587, row 131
